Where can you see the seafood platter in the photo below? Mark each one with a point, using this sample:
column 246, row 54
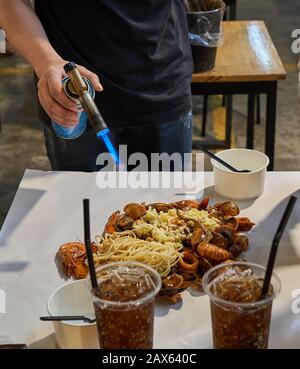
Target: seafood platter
column 180, row 240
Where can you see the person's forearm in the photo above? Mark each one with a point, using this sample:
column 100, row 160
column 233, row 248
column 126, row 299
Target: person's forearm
column 26, row 34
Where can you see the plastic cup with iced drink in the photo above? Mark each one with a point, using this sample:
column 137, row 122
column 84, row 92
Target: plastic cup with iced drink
column 124, row 305
column 240, row 319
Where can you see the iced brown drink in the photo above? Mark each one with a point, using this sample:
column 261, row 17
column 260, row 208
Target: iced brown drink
column 124, row 305
column 240, row 318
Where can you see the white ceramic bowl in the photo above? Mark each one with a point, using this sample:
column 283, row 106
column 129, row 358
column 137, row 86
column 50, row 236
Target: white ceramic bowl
column 240, row 186
column 73, row 298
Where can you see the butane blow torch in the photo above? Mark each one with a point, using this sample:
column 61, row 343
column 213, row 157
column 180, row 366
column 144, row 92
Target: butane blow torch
column 78, row 87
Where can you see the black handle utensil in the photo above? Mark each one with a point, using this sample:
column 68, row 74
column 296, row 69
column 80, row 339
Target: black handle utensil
column 67, row 317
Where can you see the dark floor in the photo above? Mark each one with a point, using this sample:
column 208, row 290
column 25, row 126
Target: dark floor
column 21, row 139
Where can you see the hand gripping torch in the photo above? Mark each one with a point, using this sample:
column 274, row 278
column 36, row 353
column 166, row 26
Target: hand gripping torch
column 78, row 87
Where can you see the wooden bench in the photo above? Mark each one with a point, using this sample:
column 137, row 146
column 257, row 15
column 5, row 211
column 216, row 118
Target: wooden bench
column 247, row 63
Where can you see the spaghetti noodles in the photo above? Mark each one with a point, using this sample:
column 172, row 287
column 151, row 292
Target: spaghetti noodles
column 125, row 246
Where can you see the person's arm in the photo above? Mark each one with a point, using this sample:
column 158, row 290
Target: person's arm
column 25, row 32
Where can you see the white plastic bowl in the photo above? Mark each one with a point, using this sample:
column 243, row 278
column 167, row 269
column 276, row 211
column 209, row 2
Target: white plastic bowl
column 73, row 298
column 240, row 186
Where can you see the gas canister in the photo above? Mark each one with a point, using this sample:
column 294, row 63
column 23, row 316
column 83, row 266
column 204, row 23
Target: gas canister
column 73, row 132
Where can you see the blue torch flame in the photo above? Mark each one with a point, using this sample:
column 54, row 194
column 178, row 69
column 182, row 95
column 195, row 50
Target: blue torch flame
column 109, row 145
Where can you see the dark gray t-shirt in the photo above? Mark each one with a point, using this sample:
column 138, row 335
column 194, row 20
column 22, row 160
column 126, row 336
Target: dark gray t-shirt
column 139, row 49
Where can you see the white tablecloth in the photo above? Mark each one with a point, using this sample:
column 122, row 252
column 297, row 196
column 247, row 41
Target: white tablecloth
column 47, row 211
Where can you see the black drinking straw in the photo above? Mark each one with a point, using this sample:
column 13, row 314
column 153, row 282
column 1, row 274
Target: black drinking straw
column 87, row 241
column 275, row 243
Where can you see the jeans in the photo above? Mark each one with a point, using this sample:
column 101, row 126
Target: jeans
column 81, row 153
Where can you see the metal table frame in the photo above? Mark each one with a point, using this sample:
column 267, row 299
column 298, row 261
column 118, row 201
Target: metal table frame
column 231, row 4
column 230, row 14
column 251, row 89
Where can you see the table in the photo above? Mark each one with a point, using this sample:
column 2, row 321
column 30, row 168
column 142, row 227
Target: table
column 247, row 63
column 47, row 211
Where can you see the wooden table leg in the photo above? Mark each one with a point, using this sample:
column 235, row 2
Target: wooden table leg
column 250, row 120
column 271, row 123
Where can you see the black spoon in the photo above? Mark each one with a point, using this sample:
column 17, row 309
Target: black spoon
column 216, row 158
column 67, row 317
